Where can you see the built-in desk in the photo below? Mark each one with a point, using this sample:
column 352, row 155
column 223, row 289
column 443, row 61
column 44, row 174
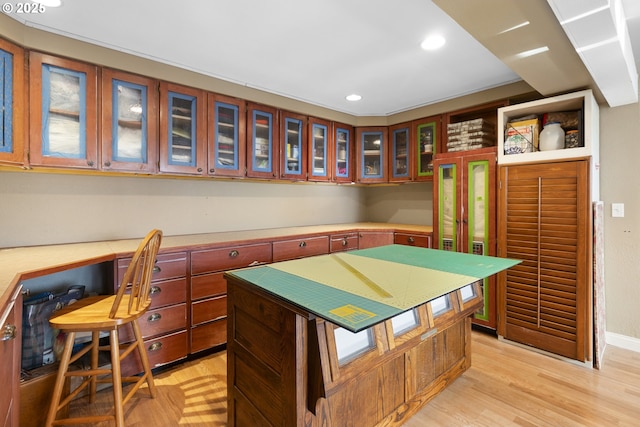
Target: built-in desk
column 362, row 338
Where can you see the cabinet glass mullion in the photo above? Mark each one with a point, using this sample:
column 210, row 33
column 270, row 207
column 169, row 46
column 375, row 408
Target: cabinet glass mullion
column 293, row 147
column 262, row 153
column 372, row 154
column 320, row 134
column 63, row 113
column 342, row 153
column 400, row 154
column 6, row 101
column 226, row 136
column 182, row 129
column 129, row 125
column 447, row 207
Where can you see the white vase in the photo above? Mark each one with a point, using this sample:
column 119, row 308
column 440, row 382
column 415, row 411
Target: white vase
column 552, row 137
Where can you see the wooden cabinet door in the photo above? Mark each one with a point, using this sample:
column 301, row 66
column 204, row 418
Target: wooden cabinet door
column 401, row 163
column 183, row 129
column 293, row 143
column 426, row 144
column 63, row 108
column 320, row 150
column 129, row 122
column 343, row 159
column 227, row 136
column 262, row 142
column 371, row 161
column 12, row 103
column 545, row 222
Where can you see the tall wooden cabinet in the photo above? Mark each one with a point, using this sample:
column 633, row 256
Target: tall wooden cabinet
column 464, row 213
column 545, row 222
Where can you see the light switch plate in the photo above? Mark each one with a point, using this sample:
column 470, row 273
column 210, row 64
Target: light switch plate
column 617, row 210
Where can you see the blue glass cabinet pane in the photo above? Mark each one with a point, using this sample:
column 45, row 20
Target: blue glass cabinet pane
column 182, row 129
column 64, row 121
column 343, row 145
column 6, row 101
column 226, row 131
column 319, row 154
column 129, row 122
column 262, row 155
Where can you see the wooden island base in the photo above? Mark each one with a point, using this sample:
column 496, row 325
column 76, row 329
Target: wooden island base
column 284, row 370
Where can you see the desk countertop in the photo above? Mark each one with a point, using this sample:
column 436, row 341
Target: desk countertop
column 22, row 263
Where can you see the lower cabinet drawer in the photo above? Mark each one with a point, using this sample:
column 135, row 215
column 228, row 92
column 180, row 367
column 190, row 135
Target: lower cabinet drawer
column 208, row 309
column 168, row 292
column 421, row 240
column 344, row 242
column 208, row 285
column 157, row 322
column 208, row 335
column 160, row 351
column 300, row 248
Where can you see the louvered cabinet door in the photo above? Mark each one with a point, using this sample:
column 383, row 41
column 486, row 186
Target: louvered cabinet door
column 544, row 220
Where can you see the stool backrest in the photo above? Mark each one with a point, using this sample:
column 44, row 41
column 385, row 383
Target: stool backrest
column 137, row 278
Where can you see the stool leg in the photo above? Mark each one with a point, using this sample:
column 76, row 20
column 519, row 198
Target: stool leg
column 144, row 358
column 95, row 342
column 117, row 379
column 62, row 370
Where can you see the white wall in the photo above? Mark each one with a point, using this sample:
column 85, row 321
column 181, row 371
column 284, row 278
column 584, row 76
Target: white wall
column 38, row 208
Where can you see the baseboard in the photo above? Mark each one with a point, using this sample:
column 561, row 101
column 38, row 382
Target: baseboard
column 623, row 341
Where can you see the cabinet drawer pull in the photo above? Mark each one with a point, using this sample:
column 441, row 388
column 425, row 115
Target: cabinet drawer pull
column 156, row 269
column 8, row 332
column 155, row 290
column 234, row 253
column 154, row 317
column 345, row 242
column 302, row 244
column 411, row 239
column 155, row 346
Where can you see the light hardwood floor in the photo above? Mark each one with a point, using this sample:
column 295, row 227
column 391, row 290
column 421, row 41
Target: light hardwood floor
column 506, row 386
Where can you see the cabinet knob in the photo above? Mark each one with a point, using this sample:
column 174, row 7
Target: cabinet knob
column 411, row 239
column 90, row 162
column 234, row 253
column 212, row 170
column 345, row 242
column 156, row 269
column 302, row 244
column 154, row 317
column 199, row 169
column 155, row 290
column 155, row 346
column 8, row 332
column 107, row 163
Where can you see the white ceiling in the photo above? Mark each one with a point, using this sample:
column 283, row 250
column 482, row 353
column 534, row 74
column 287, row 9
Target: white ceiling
column 317, row 51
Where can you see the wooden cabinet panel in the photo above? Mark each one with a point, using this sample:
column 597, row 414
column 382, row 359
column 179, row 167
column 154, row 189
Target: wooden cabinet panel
column 293, row 143
column 371, row 150
column 63, row 118
column 320, row 150
column 227, row 136
column 208, row 335
column 158, row 322
column 208, row 309
column 343, row 164
column 263, row 147
column 300, row 248
column 13, row 140
column 371, row 239
column 344, row 242
column 230, row 257
column 401, row 167
column 208, row 285
column 10, row 349
column 168, row 292
column 421, row 240
column 160, row 351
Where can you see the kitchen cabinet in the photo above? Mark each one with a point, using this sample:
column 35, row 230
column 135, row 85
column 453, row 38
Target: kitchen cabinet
column 12, row 103
column 343, row 242
column 10, row 347
column 371, row 163
column 183, row 129
column 293, row 152
column 545, row 221
column 263, row 147
column 129, row 122
column 412, row 239
column 164, row 325
column 320, row 150
column 464, row 214
column 209, row 289
column 402, row 164
column 343, row 149
column 227, row 136
column 63, row 105
column 426, row 144
column 300, row 247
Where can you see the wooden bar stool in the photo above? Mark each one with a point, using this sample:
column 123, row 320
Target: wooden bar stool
column 107, row 313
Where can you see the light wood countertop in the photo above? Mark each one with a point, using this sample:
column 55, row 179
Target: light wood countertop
column 23, row 263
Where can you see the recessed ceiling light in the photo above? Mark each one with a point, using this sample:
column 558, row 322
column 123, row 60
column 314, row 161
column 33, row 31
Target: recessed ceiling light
column 49, row 3
column 354, row 97
column 433, row 42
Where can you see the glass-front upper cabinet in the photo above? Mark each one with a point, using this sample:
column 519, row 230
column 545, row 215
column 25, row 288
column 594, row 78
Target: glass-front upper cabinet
column 372, row 154
column 343, row 153
column 401, row 164
column 426, row 146
column 62, row 112
column 129, row 122
column 262, row 142
column 227, row 136
column 12, row 87
column 293, row 131
column 319, row 149
column 182, row 129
